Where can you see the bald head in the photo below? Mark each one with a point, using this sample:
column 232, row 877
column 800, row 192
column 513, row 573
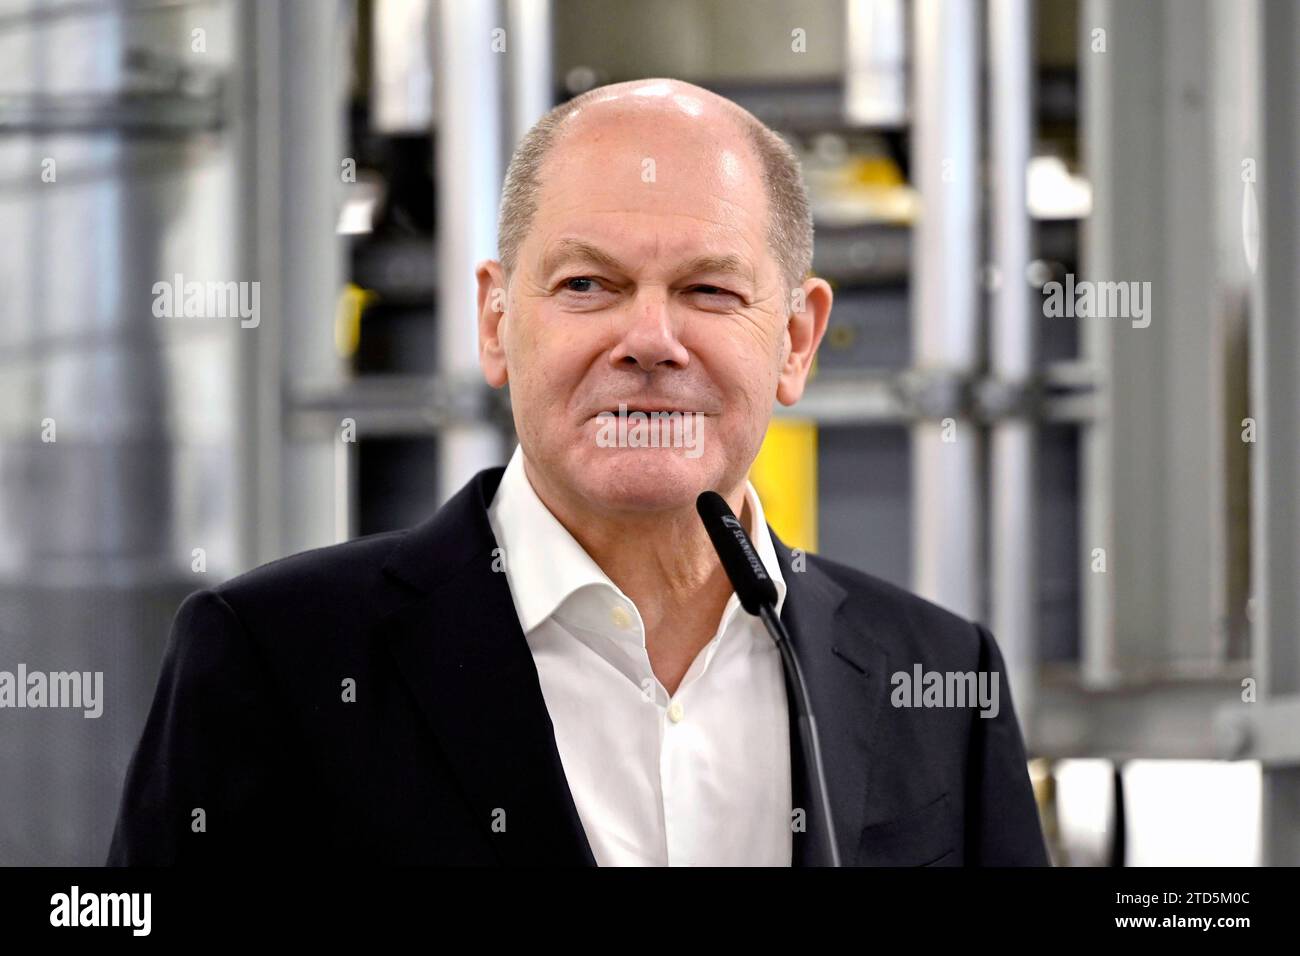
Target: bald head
column 683, row 111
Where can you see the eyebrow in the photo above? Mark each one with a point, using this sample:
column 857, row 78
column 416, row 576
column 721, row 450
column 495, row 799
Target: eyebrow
column 567, row 250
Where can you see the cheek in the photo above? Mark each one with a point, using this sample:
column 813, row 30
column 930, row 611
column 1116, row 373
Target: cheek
column 548, row 360
column 745, row 368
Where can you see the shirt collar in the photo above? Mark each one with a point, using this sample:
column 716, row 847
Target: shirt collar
column 545, row 565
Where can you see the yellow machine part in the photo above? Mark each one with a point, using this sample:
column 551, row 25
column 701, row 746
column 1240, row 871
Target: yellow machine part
column 785, row 476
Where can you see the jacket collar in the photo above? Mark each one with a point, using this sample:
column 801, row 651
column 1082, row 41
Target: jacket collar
column 457, row 642
column 545, row 565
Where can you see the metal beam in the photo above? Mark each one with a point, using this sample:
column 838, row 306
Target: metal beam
column 945, row 163
column 469, row 137
column 1275, row 405
column 1013, row 333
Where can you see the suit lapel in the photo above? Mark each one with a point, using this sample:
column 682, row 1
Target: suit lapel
column 846, row 675
column 461, row 653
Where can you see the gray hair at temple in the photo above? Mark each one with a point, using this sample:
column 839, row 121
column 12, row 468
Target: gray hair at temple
column 790, row 224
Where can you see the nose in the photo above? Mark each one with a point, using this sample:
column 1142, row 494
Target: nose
column 648, row 338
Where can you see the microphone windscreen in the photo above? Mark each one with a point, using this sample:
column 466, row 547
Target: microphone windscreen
column 739, row 558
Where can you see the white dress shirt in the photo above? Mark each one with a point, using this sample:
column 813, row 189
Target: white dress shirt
column 701, row 778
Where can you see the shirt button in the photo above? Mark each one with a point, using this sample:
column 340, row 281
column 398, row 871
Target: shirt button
column 675, row 712
column 622, row 619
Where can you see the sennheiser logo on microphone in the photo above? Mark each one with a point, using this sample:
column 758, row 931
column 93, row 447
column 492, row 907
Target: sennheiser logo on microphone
column 737, row 529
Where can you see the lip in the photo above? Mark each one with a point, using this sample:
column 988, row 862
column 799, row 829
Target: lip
column 649, row 409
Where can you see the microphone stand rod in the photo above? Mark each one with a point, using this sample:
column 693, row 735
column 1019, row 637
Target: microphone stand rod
column 806, row 723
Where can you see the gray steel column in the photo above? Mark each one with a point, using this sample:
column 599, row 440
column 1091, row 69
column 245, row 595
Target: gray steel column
column 292, row 135
column 470, row 125
column 402, row 84
column 945, row 474
column 875, row 62
column 1275, row 405
column 313, row 86
column 1155, row 458
column 531, row 86
column 1013, row 333
column 1098, row 652
column 258, row 392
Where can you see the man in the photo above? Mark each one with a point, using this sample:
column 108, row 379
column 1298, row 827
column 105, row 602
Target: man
column 553, row 668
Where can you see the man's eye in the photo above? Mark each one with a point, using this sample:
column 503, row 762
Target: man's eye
column 569, row 284
column 712, row 290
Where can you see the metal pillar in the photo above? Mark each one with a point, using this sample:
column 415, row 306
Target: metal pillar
column 1153, row 495
column 875, row 62
column 531, row 86
column 1013, row 328
column 945, row 445
column 1275, row 405
column 1098, row 654
column 402, row 75
column 470, row 124
column 292, row 154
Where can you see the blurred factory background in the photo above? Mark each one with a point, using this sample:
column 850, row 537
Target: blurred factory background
column 1114, row 496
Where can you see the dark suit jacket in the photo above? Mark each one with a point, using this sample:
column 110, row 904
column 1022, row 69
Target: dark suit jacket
column 249, row 724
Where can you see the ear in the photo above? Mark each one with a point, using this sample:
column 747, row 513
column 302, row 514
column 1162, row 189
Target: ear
column 491, row 313
column 809, row 310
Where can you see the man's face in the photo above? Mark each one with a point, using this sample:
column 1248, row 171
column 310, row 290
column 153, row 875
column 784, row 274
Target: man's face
column 646, row 281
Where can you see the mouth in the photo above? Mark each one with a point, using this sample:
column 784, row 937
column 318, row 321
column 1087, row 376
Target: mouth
column 648, row 410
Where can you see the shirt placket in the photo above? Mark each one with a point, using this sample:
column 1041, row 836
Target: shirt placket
column 676, row 732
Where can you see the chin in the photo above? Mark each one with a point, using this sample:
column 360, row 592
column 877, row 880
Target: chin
column 643, row 479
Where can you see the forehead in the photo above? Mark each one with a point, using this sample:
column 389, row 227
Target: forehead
column 648, row 185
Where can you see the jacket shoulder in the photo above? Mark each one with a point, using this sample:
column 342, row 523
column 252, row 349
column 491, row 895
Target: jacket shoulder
column 324, row 574
column 907, row 623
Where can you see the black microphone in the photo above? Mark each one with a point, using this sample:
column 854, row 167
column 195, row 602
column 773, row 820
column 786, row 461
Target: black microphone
column 757, row 593
column 739, row 559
